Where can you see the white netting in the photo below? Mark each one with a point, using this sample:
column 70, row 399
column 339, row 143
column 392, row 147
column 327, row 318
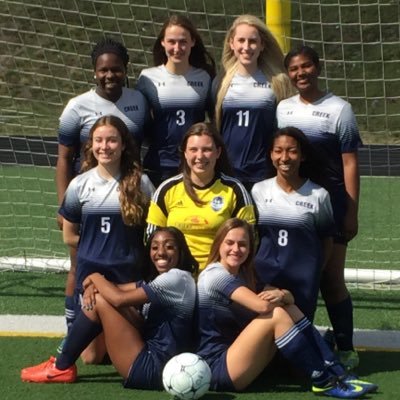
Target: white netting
column 45, row 48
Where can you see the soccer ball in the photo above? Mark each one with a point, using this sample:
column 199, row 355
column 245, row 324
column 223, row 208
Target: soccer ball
column 186, row 376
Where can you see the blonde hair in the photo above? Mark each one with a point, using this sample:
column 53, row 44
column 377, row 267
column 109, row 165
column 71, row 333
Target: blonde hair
column 134, row 203
column 270, row 62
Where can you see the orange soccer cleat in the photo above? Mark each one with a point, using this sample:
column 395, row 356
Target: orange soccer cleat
column 47, row 372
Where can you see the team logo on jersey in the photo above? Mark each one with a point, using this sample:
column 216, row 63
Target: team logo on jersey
column 131, row 108
column 217, row 203
column 320, row 114
column 305, row 204
column 195, row 83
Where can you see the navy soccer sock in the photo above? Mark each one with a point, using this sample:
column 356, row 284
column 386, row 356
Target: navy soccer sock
column 341, row 317
column 296, row 348
column 82, row 332
column 69, row 318
column 315, row 338
column 69, row 311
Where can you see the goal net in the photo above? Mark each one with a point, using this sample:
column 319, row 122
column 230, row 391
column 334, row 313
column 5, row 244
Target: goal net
column 45, row 48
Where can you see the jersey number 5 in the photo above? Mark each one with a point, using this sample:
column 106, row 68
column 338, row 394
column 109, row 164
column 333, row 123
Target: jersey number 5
column 105, row 225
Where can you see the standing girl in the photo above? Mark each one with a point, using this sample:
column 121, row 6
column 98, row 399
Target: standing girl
column 253, row 80
column 110, row 96
column 139, row 344
column 200, row 199
column 295, row 221
column 178, row 90
column 329, row 123
column 104, row 211
column 240, row 331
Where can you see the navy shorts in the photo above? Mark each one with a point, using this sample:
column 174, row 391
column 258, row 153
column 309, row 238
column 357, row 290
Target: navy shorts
column 146, row 371
column 220, row 379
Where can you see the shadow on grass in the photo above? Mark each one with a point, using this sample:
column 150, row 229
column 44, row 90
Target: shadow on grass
column 32, row 284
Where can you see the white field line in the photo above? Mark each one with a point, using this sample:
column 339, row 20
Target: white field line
column 54, row 326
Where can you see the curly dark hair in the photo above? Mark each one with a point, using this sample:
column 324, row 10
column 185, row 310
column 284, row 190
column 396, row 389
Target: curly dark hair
column 109, row 45
column 186, row 262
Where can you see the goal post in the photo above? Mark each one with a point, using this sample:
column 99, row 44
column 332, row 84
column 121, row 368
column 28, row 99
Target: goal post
column 278, row 19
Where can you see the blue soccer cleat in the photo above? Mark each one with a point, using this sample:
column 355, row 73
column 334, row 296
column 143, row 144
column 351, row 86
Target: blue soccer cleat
column 353, row 380
column 341, row 390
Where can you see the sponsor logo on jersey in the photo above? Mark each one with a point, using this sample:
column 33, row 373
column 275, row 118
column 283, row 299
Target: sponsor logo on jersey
column 192, row 222
column 195, row 83
column 217, row 203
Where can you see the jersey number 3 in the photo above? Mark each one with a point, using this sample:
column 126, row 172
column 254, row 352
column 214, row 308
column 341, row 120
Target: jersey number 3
column 180, row 117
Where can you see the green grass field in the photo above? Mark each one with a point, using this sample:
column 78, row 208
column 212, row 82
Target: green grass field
column 28, row 208
column 102, row 383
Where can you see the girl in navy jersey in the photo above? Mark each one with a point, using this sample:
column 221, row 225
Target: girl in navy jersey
column 329, row 123
column 178, row 90
column 240, row 331
column 295, row 220
column 110, row 96
column 253, row 80
column 104, row 210
column 145, row 323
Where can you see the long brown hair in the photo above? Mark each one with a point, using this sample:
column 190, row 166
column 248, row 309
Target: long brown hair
column 247, row 270
column 222, row 164
column 134, row 203
column 199, row 56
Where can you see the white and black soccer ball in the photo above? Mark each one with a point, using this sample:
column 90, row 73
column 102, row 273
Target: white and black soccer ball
column 186, row 376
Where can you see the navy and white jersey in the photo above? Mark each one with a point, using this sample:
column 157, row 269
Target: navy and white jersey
column 290, row 228
column 331, row 127
column 248, row 122
column 82, row 112
column 177, row 102
column 220, row 320
column 106, row 244
column 168, row 328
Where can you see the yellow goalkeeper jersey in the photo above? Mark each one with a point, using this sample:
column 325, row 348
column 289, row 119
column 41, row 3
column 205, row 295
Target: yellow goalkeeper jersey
column 225, row 197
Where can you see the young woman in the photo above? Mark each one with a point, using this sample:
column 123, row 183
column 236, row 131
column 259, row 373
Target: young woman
column 295, row 221
column 240, row 331
column 178, row 90
column 253, row 80
column 139, row 344
column 202, row 197
column 104, row 211
column 328, row 121
column 109, row 60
